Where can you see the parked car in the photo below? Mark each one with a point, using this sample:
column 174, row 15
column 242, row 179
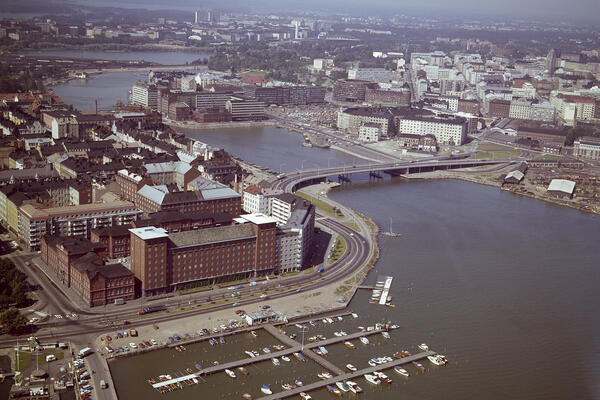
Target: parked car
column 133, row 345
column 108, row 338
column 154, row 342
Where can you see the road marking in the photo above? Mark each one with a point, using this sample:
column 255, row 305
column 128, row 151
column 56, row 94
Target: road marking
column 58, row 316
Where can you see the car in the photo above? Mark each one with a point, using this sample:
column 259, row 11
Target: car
column 133, row 345
column 240, row 312
column 108, row 338
column 236, row 304
column 239, row 286
column 231, row 288
column 176, row 336
column 125, row 333
column 147, row 343
column 109, row 349
column 298, row 290
column 154, row 342
column 125, row 348
column 142, row 345
column 266, row 307
column 119, row 335
column 253, row 283
column 206, row 331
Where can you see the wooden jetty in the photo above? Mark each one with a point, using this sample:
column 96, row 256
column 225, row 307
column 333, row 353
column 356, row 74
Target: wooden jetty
column 347, row 376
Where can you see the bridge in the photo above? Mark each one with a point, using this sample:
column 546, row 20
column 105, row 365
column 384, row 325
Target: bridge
column 292, row 181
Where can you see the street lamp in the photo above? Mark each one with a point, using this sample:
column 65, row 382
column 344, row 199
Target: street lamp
column 302, row 165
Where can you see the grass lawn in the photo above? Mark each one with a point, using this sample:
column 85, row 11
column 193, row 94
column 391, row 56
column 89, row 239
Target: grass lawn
column 547, row 157
column 261, row 74
column 352, row 225
column 493, row 155
column 338, row 250
column 491, row 147
column 194, row 290
column 322, row 205
column 22, row 361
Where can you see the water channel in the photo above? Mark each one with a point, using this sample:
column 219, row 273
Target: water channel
column 160, row 57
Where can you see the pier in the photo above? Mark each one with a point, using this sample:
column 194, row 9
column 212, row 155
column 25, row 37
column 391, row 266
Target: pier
column 347, row 376
column 295, row 348
column 386, row 290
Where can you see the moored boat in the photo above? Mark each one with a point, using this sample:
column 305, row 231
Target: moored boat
column 247, row 396
column 333, row 390
column 351, row 367
column 305, row 396
column 349, row 345
column 418, row 366
column 266, row 350
column 382, row 377
column 253, row 333
column 286, row 358
column 343, row 386
column 189, row 371
column 266, row 389
column 364, row 340
column 437, row 359
column 385, row 335
column 222, row 340
column 275, row 361
column 423, row 347
column 230, row 373
column 249, row 354
column 372, row 362
column 401, row 370
column 299, row 356
column 286, row 386
column 243, row 370
column 212, row 341
column 298, row 382
column 354, row 315
column 323, row 349
column 195, row 380
column 324, row 375
column 354, row 388
column 372, row 379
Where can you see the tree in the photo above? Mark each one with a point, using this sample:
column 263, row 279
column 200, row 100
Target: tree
column 13, row 321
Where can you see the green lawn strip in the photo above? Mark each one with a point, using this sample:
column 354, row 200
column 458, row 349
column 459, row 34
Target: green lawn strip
column 352, row 225
column 491, row 147
column 232, row 283
column 321, row 205
column 309, row 270
column 23, row 358
column 261, row 74
column 338, row 250
column 291, row 273
column 493, row 155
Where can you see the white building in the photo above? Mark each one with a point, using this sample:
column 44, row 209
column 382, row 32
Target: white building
column 145, row 95
column 380, row 75
column 254, row 201
column 369, row 132
column 446, row 130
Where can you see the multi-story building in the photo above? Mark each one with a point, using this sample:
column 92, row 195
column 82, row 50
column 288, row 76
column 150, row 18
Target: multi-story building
column 499, row 108
column 208, row 99
column 379, row 75
column 255, row 201
column 571, row 107
column 351, row 119
column 216, row 198
column 145, row 95
column 286, row 95
column 177, row 173
column 519, row 109
column 130, row 183
column 242, row 109
column 351, row 90
column 71, row 220
column 114, row 238
column 468, row 106
column 163, row 262
column 397, row 96
column 587, row 147
column 369, row 132
column 447, row 129
column 417, row 142
column 542, row 135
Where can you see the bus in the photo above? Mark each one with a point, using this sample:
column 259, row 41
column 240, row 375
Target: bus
column 148, row 310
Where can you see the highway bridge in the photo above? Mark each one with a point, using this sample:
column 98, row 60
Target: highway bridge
column 294, row 180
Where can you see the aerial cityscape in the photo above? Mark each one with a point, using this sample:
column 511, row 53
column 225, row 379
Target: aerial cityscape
column 277, row 200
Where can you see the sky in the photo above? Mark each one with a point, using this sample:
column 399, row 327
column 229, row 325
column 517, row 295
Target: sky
column 556, row 10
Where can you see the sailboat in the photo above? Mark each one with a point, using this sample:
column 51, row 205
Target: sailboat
column 391, row 231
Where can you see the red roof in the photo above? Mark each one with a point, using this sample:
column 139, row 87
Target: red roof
column 253, row 80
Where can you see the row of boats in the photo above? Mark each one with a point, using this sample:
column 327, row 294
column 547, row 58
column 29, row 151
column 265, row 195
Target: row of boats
column 266, row 350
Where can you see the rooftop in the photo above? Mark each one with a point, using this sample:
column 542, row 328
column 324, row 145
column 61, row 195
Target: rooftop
column 212, row 235
column 561, row 185
column 259, row 218
column 149, row 232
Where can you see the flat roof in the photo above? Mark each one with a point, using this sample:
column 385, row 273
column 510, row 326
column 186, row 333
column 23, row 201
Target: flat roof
column 562, row 185
column 212, row 235
column 259, row 218
column 149, row 232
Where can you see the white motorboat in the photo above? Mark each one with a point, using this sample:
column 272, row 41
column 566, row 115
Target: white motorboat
column 266, row 389
column 275, row 361
column 437, row 359
column 230, row 373
column 382, row 377
column 401, row 370
column 364, row 340
column 298, row 382
column 349, row 345
column 354, row 388
column 354, row 315
column 423, row 347
column 338, row 334
column 351, row 367
column 305, row 396
column 266, row 350
column 286, row 386
column 343, row 386
column 372, row 379
column 323, row 349
column 254, row 333
column 385, row 335
column 372, row 362
column 286, row 358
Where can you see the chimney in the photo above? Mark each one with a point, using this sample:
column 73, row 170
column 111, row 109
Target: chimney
column 96, row 106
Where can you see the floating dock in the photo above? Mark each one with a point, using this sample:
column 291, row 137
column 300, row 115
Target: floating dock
column 386, row 290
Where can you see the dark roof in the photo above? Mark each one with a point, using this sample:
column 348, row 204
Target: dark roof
column 117, row 230
column 545, row 131
column 212, row 235
column 74, row 245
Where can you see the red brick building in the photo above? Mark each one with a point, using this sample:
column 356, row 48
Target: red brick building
column 164, row 262
column 114, row 238
column 499, row 108
column 130, row 183
column 175, row 221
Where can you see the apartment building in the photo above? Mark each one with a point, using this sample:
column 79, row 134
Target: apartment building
column 351, row 119
column 145, row 95
column 587, row 147
column 369, row 132
column 396, row 97
column 286, row 95
column 33, row 223
column 447, row 129
column 379, row 75
column 243, row 109
column 352, row 90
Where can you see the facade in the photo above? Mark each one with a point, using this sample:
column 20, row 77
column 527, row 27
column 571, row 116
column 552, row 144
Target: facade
column 351, row 119
column 351, row 90
column 145, row 95
column 164, row 262
column 542, row 135
column 129, row 183
column 369, row 132
column 115, row 239
column 587, row 147
column 397, row 97
column 417, row 142
column 499, row 108
column 286, row 95
column 255, row 201
column 379, row 75
column 242, row 109
column 446, row 129
column 71, row 220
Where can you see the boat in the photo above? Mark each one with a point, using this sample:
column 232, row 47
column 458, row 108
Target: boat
column 243, row 370
column 338, row 334
column 286, row 358
column 247, row 396
column 340, row 318
column 299, row 356
column 325, row 321
column 151, row 381
column 382, row 377
column 254, row 333
column 349, row 345
column 318, row 352
column 372, row 362
column 354, row 388
column 256, row 353
column 423, row 347
column 394, row 326
column 385, row 335
column 354, row 315
column 312, row 323
column 249, row 354
column 230, row 373
column 212, row 341
column 305, row 396
column 400, row 370
column 324, row 375
column 364, row 340
column 351, row 367
column 405, row 353
column 361, row 328
column 222, row 340
column 215, row 362
column 333, row 390
column 323, row 349
column 343, row 387
column 298, row 382
column 286, row 386
column 293, row 336
column 189, row 371
column 438, row 359
column 275, row 361
column 391, row 231
column 266, row 350
column 266, row 389
column 307, row 144
column 330, row 320
column 195, row 380
column 418, row 366
column 372, row 379
column 299, row 326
